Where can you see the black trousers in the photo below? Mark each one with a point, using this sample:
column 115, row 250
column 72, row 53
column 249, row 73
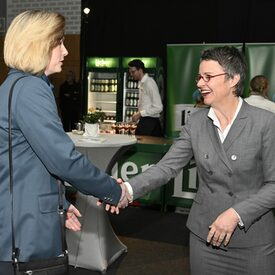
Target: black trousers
column 6, row 268
column 149, row 126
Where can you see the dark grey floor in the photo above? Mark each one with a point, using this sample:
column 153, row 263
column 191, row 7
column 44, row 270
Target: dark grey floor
column 157, row 244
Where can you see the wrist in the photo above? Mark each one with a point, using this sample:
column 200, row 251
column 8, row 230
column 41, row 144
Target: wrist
column 130, row 191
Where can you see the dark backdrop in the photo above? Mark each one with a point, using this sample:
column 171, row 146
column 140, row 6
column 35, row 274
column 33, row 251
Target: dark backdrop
column 144, row 27
column 3, row 23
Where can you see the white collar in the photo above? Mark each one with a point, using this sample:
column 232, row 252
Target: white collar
column 216, row 122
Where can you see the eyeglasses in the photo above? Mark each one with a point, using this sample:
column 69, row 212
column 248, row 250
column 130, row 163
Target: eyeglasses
column 207, row 77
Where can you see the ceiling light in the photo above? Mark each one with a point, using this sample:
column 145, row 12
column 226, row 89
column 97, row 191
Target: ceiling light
column 86, row 11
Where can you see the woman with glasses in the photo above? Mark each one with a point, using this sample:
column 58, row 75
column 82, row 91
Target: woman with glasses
column 232, row 226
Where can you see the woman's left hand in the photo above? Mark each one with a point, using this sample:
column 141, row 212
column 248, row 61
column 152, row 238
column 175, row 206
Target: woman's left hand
column 221, row 230
column 72, row 221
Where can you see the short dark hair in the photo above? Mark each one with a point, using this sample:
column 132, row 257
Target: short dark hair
column 231, row 60
column 137, row 63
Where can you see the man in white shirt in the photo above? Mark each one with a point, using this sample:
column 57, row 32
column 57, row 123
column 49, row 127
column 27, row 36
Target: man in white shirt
column 149, row 104
column 258, row 94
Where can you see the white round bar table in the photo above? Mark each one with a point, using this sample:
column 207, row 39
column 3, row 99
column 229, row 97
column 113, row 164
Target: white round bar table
column 96, row 246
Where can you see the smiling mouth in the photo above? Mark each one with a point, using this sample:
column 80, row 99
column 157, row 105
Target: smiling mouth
column 205, row 93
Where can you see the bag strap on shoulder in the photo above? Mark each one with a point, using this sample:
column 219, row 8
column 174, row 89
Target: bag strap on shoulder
column 61, row 211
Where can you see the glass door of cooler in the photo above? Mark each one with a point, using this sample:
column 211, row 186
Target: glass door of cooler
column 102, row 93
column 130, row 96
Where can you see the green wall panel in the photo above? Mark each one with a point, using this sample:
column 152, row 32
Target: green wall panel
column 261, row 60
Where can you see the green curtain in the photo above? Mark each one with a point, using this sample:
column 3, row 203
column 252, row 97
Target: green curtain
column 261, row 60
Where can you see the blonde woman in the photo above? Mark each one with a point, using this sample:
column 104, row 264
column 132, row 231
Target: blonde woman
column 42, row 151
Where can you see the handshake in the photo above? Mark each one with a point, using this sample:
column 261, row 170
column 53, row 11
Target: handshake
column 125, row 199
column 73, row 214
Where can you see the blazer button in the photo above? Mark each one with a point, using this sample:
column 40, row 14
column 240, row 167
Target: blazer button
column 205, row 156
column 210, row 172
column 230, row 194
column 233, row 157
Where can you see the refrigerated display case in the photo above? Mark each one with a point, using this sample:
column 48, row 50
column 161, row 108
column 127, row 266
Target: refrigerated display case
column 130, row 96
column 130, row 87
column 111, row 89
column 103, row 86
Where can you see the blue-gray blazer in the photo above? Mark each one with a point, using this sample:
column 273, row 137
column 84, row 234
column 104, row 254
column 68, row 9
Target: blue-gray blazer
column 42, row 151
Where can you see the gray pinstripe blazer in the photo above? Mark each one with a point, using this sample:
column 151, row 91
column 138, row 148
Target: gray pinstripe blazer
column 239, row 173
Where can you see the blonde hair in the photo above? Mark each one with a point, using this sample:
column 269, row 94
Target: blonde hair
column 30, row 39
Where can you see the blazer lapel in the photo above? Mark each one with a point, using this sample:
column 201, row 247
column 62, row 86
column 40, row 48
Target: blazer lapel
column 216, row 142
column 234, row 132
column 237, row 127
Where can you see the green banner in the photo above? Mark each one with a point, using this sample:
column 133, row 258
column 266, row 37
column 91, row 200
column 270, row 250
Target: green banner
column 133, row 163
column 260, row 59
column 149, row 62
column 102, row 62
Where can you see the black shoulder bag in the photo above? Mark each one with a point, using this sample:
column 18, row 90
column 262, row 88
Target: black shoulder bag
column 52, row 266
